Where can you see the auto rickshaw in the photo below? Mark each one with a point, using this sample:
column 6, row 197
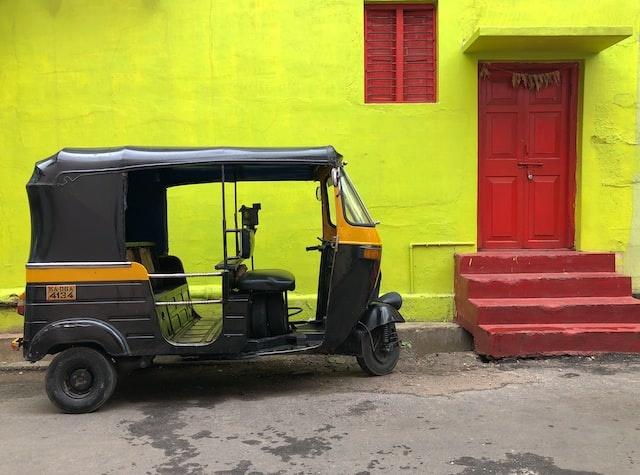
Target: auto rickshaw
column 104, row 294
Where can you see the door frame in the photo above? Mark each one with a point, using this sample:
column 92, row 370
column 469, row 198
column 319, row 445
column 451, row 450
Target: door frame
column 574, row 70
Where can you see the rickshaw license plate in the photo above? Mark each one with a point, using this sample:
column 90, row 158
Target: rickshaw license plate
column 61, row 292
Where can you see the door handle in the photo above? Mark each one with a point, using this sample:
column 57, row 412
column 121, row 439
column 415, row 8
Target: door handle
column 527, row 165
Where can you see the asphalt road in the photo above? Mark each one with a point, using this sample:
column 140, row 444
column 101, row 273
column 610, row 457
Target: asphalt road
column 442, row 414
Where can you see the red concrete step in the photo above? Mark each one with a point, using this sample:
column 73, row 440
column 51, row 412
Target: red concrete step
column 557, row 339
column 551, row 310
column 528, row 303
column 499, row 262
column 529, row 285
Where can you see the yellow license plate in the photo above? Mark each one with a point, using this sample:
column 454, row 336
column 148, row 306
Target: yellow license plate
column 61, row 292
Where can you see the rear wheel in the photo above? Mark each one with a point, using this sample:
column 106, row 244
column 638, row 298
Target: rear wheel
column 80, row 380
column 380, row 351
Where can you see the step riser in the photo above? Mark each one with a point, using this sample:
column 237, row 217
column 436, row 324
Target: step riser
column 510, row 263
column 537, row 344
column 578, row 313
column 572, row 314
column 618, row 286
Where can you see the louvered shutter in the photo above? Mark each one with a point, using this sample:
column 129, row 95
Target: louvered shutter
column 419, row 55
column 400, row 46
column 380, row 39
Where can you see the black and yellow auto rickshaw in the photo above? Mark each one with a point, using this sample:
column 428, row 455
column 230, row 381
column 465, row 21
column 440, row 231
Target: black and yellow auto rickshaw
column 103, row 292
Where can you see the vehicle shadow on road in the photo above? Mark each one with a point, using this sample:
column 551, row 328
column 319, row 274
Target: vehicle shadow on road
column 210, row 383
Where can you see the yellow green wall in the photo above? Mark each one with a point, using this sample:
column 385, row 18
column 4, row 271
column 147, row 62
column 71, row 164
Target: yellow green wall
column 277, row 73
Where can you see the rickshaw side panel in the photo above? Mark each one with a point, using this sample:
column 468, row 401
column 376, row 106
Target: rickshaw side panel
column 102, row 312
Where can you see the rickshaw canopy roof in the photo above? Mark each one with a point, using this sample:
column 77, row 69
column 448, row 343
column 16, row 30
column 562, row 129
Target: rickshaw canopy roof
column 190, row 165
column 87, row 203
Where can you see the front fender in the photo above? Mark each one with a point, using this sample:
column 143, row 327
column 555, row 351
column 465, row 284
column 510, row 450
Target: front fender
column 77, row 332
column 380, row 313
column 377, row 314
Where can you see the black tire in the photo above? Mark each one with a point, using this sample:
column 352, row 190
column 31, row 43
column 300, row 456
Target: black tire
column 80, row 380
column 375, row 359
column 277, row 315
column 259, row 328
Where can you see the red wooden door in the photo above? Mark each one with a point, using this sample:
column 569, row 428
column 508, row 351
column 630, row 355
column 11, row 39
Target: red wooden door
column 526, row 159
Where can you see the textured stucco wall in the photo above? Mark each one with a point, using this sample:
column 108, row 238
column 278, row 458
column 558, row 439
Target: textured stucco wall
column 260, row 72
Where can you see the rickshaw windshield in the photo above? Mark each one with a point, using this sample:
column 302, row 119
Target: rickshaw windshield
column 355, row 212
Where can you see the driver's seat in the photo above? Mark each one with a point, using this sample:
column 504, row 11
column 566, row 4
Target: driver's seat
column 266, row 280
column 267, row 288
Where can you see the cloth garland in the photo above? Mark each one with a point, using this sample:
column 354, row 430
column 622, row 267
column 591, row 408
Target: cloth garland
column 529, row 81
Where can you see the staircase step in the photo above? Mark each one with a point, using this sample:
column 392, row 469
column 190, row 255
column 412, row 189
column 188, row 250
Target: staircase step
column 535, row 261
column 551, row 310
column 529, row 285
column 555, row 339
column 530, row 303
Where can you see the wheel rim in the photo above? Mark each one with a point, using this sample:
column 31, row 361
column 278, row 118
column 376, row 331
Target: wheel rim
column 78, row 382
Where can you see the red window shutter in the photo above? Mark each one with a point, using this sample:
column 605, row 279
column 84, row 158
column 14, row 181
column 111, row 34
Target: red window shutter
column 419, row 56
column 380, row 41
column 400, row 50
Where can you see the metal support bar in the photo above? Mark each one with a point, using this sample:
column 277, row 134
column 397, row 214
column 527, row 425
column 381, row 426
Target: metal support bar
column 224, row 218
column 235, row 213
column 188, row 302
column 190, row 274
column 431, row 244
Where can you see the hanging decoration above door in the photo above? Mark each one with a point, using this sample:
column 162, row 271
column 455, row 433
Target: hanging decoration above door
column 527, row 80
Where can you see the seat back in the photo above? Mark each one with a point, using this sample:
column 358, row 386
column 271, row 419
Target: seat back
column 246, row 243
column 143, row 253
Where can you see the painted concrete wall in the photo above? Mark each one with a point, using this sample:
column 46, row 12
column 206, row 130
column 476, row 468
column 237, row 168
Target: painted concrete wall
column 267, row 72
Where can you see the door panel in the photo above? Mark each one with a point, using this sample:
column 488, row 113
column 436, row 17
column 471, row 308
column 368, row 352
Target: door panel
column 526, row 172
column 501, row 92
column 552, row 94
column 499, row 145
column 502, row 134
column 544, row 131
column 503, row 192
column 543, row 204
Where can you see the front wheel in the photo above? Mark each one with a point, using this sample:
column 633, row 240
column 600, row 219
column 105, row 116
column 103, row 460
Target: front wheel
column 80, row 380
column 380, row 351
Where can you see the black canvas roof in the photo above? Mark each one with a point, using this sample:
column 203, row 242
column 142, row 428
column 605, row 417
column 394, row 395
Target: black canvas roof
column 86, row 203
column 255, row 163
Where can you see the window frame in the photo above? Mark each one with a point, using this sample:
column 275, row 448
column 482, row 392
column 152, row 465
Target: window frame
column 399, row 30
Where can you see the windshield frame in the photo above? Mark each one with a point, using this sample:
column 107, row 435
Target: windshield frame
column 352, row 200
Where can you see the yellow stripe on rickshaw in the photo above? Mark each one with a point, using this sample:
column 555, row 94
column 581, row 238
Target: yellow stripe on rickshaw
column 85, row 272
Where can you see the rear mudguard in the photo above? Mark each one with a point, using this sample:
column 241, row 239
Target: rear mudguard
column 77, row 332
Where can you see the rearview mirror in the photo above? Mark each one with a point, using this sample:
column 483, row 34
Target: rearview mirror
column 335, row 176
